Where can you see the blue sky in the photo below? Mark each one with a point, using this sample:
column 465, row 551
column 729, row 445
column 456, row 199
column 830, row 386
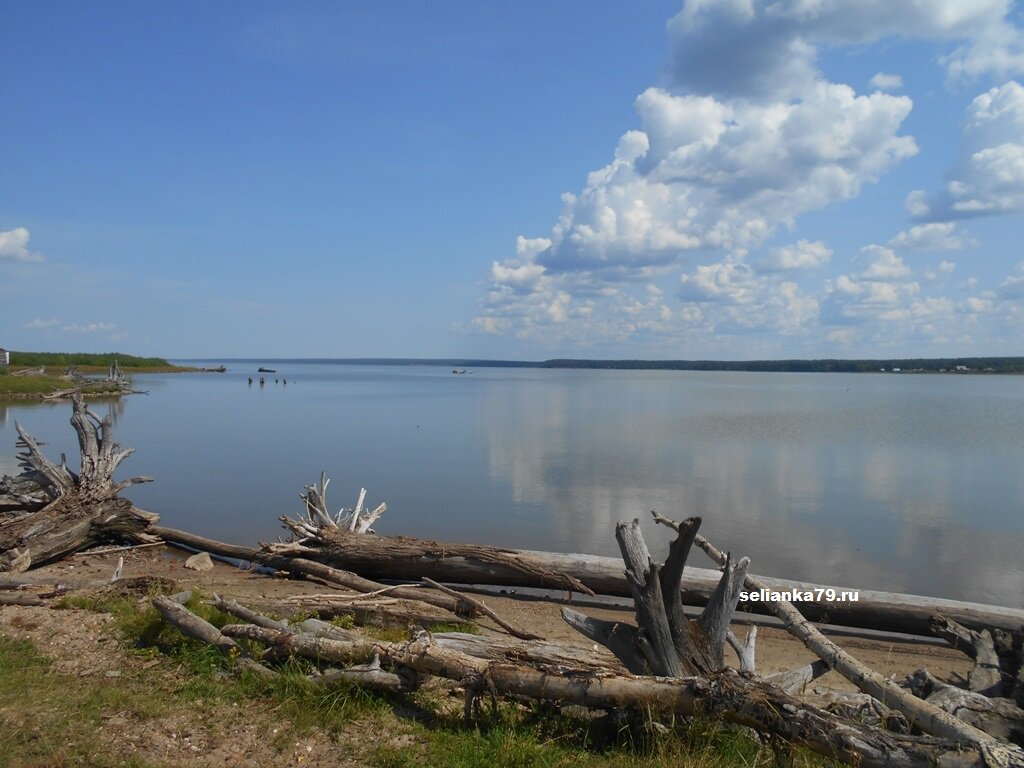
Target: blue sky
column 714, row 179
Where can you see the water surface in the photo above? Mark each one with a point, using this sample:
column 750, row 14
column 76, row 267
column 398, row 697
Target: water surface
column 909, row 483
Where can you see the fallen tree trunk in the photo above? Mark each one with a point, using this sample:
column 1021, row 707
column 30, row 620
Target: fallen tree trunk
column 997, row 717
column 985, row 677
column 304, row 567
column 403, row 557
column 80, row 510
column 886, row 611
column 926, row 716
column 722, row 695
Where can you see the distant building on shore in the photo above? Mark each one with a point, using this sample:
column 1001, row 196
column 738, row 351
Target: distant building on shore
column 5, row 357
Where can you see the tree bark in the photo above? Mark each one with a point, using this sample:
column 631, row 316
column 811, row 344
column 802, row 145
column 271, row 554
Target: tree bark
column 926, row 716
column 78, row 510
column 305, row 567
column 723, row 695
column 403, row 557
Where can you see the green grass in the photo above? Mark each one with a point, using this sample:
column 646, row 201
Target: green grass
column 64, row 359
column 538, row 738
column 50, row 719
column 43, row 385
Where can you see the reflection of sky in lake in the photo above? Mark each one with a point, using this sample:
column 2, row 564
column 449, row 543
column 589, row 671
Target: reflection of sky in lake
column 909, row 483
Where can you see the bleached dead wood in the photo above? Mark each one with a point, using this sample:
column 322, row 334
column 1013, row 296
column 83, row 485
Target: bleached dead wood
column 985, row 677
column 82, row 509
column 795, row 680
column 198, row 628
column 355, row 520
column 745, row 651
column 1000, row 718
column 861, row 708
column 482, row 608
column 725, row 695
column 671, row 644
column 383, row 557
column 305, row 567
column 926, row 716
column 403, row 557
column 247, row 614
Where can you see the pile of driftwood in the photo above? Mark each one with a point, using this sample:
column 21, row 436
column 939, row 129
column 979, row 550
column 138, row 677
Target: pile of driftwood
column 665, row 662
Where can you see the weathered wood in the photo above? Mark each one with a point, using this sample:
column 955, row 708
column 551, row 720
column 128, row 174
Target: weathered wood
column 795, row 680
column 1000, row 718
column 392, row 613
column 482, row 608
column 618, row 637
column 555, row 657
column 861, row 708
column 403, row 557
column 745, row 651
column 385, row 557
column 724, row 695
column 82, row 509
column 371, row 676
column 305, row 567
column 195, row 627
column 656, row 637
column 318, row 517
column 9, row 599
column 926, row 716
column 985, row 677
column 249, row 615
column 669, row 643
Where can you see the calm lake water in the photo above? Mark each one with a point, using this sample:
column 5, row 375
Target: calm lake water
column 909, row 483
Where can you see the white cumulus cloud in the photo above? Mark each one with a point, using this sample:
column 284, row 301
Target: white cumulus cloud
column 884, row 81
column 88, row 327
column 14, row 246
column 39, row 324
column 988, row 177
column 803, row 254
column 746, row 137
column 935, row 236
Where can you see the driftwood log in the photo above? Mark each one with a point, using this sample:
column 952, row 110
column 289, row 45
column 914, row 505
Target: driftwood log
column 63, row 511
column 665, row 642
column 928, row 717
column 404, row 557
column 725, row 695
column 304, row 567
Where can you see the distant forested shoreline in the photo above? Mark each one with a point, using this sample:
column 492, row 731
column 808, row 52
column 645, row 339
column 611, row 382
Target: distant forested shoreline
column 888, row 365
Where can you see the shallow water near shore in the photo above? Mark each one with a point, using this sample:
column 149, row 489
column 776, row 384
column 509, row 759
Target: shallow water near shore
column 909, row 483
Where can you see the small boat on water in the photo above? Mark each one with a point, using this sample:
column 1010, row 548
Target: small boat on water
column 266, row 370
column 458, row 370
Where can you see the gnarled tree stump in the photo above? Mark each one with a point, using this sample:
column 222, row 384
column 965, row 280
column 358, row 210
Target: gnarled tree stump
column 62, row 511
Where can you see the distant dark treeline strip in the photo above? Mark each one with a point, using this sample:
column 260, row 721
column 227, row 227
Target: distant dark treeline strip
column 78, row 358
column 908, row 365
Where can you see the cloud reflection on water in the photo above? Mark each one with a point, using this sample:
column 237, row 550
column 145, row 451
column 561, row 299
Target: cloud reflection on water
column 840, row 480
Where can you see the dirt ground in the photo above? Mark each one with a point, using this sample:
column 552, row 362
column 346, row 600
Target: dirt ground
column 83, row 644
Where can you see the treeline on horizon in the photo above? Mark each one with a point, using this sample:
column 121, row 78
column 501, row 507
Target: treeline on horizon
column 904, row 365
column 32, row 359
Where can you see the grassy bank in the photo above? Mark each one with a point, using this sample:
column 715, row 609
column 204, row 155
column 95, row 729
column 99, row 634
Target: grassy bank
column 55, row 365
column 83, row 359
column 157, row 698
